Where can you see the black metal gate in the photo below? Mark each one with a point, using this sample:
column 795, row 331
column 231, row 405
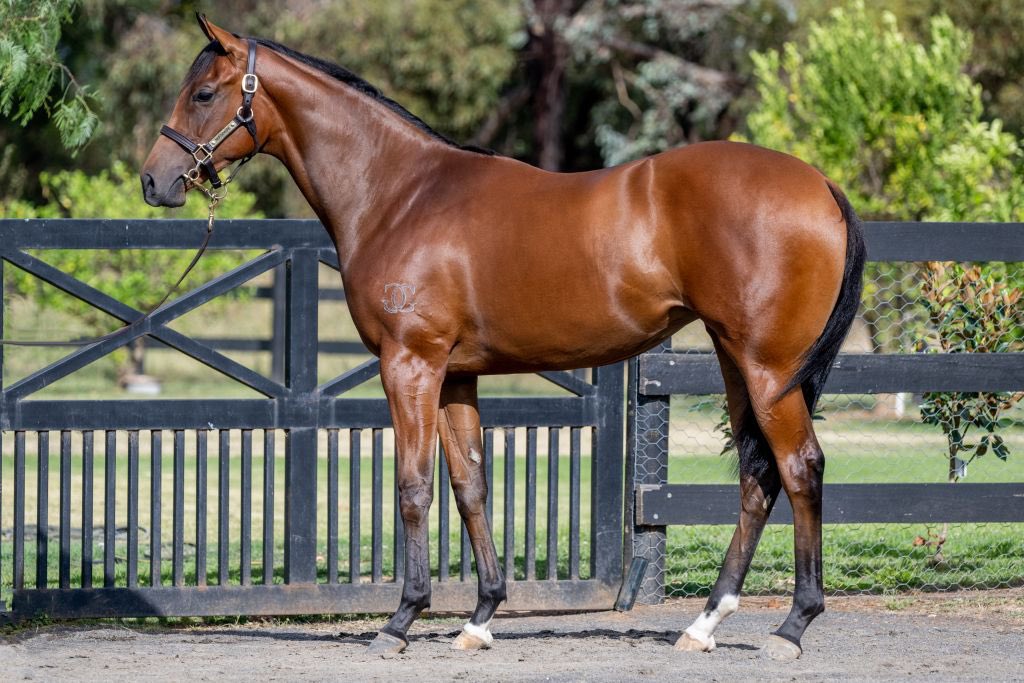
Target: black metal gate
column 108, row 542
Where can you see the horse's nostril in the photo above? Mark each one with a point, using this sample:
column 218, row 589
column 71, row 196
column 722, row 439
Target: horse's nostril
column 147, row 182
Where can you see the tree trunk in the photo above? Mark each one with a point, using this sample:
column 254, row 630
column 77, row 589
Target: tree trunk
column 137, row 357
column 551, row 57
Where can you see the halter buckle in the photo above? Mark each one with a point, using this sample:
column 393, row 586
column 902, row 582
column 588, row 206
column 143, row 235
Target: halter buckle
column 250, row 82
column 202, row 149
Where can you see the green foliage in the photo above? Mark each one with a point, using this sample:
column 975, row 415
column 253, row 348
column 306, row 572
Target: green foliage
column 896, row 123
column 970, row 312
column 445, row 60
column 666, row 72
column 138, row 277
column 31, row 71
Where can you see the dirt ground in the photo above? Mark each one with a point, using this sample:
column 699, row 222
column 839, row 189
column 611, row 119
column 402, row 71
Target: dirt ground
column 963, row 636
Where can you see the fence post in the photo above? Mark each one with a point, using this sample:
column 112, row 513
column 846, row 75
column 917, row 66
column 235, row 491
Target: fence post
column 301, row 441
column 647, row 424
column 279, row 318
column 606, row 476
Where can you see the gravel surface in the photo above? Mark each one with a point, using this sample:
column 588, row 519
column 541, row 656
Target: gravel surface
column 965, row 636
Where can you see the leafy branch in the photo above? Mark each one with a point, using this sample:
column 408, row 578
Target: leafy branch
column 32, row 76
column 971, row 311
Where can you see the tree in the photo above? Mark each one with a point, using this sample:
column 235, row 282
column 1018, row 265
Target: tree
column 32, row 75
column 897, row 124
column 670, row 70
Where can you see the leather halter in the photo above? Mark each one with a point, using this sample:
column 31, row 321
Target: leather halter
column 203, row 152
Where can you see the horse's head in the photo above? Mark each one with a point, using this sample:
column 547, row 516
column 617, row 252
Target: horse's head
column 220, row 95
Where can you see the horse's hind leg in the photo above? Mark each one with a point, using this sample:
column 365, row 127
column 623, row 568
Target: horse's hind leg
column 786, row 424
column 459, row 426
column 759, row 487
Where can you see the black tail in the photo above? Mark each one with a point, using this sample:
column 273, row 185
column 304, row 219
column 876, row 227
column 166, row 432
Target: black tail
column 819, row 358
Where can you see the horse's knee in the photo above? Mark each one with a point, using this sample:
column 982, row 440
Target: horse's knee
column 414, row 500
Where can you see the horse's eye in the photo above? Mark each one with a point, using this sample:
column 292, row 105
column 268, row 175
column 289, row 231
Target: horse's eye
column 203, row 96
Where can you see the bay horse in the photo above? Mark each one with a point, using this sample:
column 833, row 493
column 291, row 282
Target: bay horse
column 760, row 247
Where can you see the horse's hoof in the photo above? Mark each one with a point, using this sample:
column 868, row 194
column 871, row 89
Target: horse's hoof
column 467, row 641
column 473, row 638
column 387, row 644
column 688, row 643
column 780, row 649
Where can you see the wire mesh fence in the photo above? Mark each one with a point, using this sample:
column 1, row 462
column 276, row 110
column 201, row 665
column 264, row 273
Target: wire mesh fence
column 876, row 439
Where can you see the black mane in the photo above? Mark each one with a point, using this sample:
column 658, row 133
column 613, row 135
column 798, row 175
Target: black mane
column 204, row 60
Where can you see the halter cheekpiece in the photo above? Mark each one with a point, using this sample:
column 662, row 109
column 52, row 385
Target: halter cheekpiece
column 203, row 152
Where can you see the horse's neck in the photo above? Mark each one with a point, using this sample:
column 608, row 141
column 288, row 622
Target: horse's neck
column 353, row 158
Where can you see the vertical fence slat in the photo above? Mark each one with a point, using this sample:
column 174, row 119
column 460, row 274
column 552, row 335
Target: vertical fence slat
column 332, row 506
column 42, row 506
column 574, row 503
column 18, row 554
column 553, row 457
column 178, row 532
column 201, row 470
column 109, row 506
column 245, row 532
column 133, row 509
column 268, row 506
column 377, row 556
column 156, row 473
column 354, row 457
column 443, row 530
column 64, row 568
column 531, row 503
column 489, row 474
column 465, row 552
column 223, row 505
column 510, row 503
column 399, row 525
column 88, row 463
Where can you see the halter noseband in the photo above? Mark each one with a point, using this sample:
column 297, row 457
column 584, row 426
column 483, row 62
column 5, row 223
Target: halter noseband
column 203, row 153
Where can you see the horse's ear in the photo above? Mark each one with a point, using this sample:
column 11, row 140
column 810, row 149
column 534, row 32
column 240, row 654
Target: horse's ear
column 204, row 24
column 231, row 43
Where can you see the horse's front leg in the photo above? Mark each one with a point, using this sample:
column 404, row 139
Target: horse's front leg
column 459, row 426
column 412, row 383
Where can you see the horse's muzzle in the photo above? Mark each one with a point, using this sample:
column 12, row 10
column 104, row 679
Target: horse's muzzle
column 173, row 195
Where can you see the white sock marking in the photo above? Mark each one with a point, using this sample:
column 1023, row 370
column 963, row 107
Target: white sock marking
column 702, row 630
column 481, row 632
